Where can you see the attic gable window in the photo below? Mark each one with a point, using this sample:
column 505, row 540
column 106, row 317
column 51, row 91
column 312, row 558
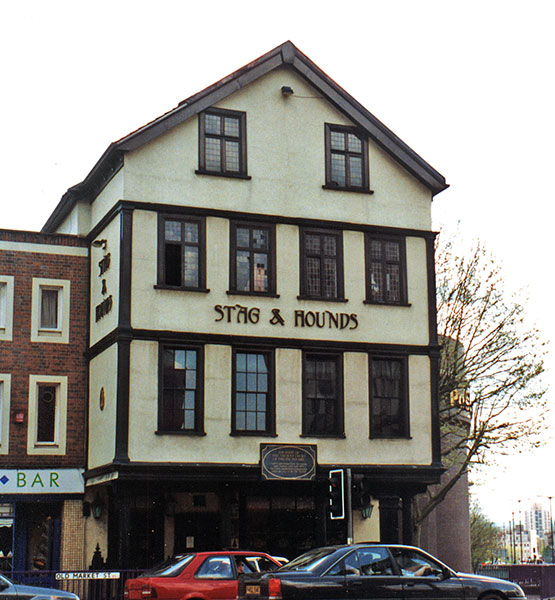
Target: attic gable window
column 222, row 143
column 346, row 159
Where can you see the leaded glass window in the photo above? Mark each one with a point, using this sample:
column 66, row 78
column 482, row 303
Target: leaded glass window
column 222, row 142
column 389, row 401
column 182, row 252
column 322, row 265
column 386, row 270
column 322, row 395
column 346, row 158
column 252, row 259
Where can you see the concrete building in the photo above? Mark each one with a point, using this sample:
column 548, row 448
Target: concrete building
column 261, row 310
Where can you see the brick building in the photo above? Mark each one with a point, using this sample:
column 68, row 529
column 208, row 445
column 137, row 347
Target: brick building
column 43, row 392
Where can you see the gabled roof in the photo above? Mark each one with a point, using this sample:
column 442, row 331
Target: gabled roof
column 285, row 54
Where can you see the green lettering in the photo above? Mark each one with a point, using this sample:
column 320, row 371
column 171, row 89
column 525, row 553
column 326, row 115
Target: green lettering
column 54, row 480
column 21, row 481
column 37, row 481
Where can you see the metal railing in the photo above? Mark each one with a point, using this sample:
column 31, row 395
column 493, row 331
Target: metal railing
column 88, row 585
column 537, row 581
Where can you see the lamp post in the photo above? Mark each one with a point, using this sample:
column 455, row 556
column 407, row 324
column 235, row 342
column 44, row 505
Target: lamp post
column 520, row 532
column 551, row 528
column 513, row 540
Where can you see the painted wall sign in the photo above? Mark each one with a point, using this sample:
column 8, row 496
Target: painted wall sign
column 41, row 481
column 288, row 461
column 102, row 309
column 243, row 315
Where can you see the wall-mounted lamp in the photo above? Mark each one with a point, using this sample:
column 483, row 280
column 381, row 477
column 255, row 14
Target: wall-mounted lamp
column 97, row 507
column 286, row 91
column 18, row 416
column 367, row 511
column 100, row 244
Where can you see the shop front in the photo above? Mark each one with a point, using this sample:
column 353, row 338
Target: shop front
column 33, row 504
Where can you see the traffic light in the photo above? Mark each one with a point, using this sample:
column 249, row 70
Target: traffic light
column 361, row 497
column 336, row 494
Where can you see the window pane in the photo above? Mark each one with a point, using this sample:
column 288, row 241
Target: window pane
column 312, row 243
column 191, row 275
column 330, row 245
column 393, row 284
column 385, row 272
column 190, row 400
column 241, row 382
column 232, row 156
column 251, row 375
column 191, row 359
column 173, row 231
column 355, row 171
column 179, row 396
column 191, row 232
column 243, row 271
column 392, row 251
column 213, row 154
column 212, row 124
column 231, row 126
column 313, row 277
column 260, row 239
column 172, row 264
column 337, row 140
column 260, row 272
column 376, row 281
column 3, row 303
column 46, row 413
column 338, row 169
column 49, row 309
column 251, row 421
column 388, row 402
column 241, row 421
column 243, row 237
column 354, row 143
column 179, row 360
column 262, row 365
column 330, row 278
column 321, row 396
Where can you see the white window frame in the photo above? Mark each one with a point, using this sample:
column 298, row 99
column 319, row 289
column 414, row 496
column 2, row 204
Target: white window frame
column 5, row 395
column 58, row 446
column 6, row 308
column 59, row 335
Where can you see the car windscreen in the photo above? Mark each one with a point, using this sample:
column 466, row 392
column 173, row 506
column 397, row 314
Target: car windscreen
column 309, row 561
column 169, row 568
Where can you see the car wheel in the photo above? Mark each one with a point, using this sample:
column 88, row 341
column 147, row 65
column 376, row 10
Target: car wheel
column 491, row 596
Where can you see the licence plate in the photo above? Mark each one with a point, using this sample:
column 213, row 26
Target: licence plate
column 253, row 590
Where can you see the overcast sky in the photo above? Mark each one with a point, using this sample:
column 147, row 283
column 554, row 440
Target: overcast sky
column 468, row 85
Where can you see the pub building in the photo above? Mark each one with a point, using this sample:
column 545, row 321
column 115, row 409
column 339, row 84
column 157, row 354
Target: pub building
column 262, row 311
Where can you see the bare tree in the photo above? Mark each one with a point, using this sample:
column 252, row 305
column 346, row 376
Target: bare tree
column 491, row 389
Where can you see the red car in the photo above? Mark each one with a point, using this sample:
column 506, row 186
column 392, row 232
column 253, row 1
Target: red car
column 198, row 575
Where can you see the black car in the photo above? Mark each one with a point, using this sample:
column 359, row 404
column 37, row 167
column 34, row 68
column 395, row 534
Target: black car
column 371, row 571
column 17, row 591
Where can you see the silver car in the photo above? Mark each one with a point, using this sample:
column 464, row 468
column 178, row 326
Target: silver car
column 16, row 591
